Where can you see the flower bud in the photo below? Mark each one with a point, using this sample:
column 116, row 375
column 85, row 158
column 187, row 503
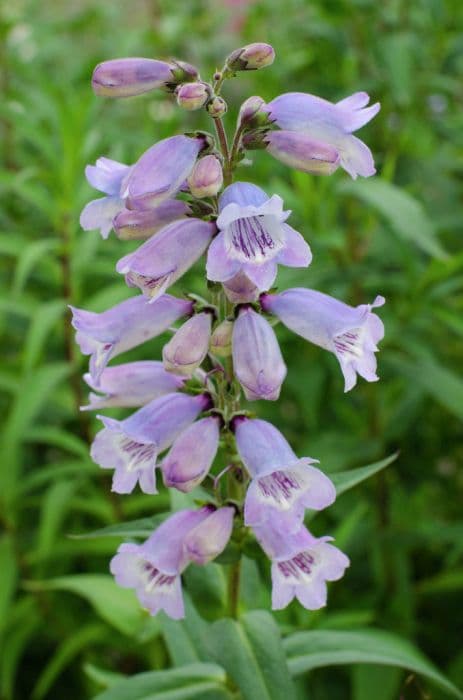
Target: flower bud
column 206, row 179
column 187, row 349
column 221, row 339
column 191, row 455
column 139, row 224
column 208, row 539
column 184, row 72
column 192, row 96
column 250, row 114
column 125, row 77
column 251, row 57
column 217, row 107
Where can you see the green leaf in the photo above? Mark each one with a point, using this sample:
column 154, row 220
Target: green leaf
column 346, row 480
column 378, row 682
column 201, row 681
column 44, row 319
column 9, row 573
column 445, row 582
column 252, row 653
column 118, row 606
column 309, row 650
column 143, row 527
column 102, row 676
column 405, row 214
column 29, row 258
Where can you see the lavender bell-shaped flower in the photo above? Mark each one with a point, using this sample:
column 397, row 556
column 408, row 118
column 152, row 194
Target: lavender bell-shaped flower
column 153, row 568
column 257, row 360
column 131, row 446
column 186, row 350
column 302, row 152
column 191, row 456
column 351, row 333
column 301, row 565
column 126, row 77
column 131, row 385
column 110, row 177
column 253, row 237
column 282, row 485
column 140, row 224
column 163, row 259
column 328, row 123
column 124, row 326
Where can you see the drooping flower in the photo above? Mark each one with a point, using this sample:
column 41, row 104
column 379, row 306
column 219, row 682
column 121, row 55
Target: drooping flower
column 154, row 568
column 351, row 333
column 188, row 347
column 282, row 485
column 301, row 565
column 302, row 152
column 110, row 177
column 253, row 237
column 131, row 385
column 131, row 446
column 257, row 360
column 163, row 259
column 329, row 123
column 124, row 326
column 190, row 457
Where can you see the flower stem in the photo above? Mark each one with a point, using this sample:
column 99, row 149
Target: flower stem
column 222, row 136
column 234, row 576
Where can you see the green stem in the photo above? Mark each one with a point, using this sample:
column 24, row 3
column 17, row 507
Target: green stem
column 234, row 576
column 222, row 136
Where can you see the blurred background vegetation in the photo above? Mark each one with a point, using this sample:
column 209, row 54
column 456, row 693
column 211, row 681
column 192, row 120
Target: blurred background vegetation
column 398, row 234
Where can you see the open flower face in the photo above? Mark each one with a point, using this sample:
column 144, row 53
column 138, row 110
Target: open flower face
column 253, row 237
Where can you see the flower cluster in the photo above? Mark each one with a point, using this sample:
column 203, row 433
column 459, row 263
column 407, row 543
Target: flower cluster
column 179, row 198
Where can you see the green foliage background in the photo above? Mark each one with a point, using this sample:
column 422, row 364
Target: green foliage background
column 65, row 629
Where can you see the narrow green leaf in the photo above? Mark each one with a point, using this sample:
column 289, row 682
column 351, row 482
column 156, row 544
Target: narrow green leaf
column 102, row 676
column 445, row 582
column 309, row 650
column 29, row 258
column 201, row 681
column 9, row 573
column 252, row 653
column 143, row 527
column 118, row 606
column 43, row 321
column 348, row 479
column 405, row 214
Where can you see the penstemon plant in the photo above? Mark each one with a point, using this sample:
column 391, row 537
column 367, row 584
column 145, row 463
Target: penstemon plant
column 180, row 198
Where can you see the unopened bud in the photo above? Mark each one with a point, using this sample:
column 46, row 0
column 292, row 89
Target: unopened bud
column 251, row 57
column 183, row 73
column 217, row 107
column 206, row 178
column 221, row 339
column 187, row 349
column 192, row 454
column 192, row 96
column 126, row 77
column 250, row 114
column 139, row 224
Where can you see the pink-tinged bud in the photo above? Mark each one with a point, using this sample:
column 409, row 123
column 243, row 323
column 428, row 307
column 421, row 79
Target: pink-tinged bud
column 240, row 289
column 221, row 339
column 300, row 151
column 134, row 224
column 184, row 72
column 257, row 359
column 126, row 77
column 190, row 457
column 217, row 107
column 206, row 179
column 208, row 539
column 192, row 96
column 250, row 114
column 251, row 57
column 187, row 349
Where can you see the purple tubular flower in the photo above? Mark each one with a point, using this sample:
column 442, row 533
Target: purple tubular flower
column 329, row 123
column 302, row 152
column 257, row 360
column 208, row 539
column 124, row 326
column 162, row 260
column 186, row 350
column 153, row 568
column 131, row 385
column 162, row 170
column 131, row 446
column 240, row 289
column 110, row 177
column 191, row 456
column 253, row 237
column 125, row 77
column 140, row 224
column 301, row 565
column 282, row 485
column 351, row 333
